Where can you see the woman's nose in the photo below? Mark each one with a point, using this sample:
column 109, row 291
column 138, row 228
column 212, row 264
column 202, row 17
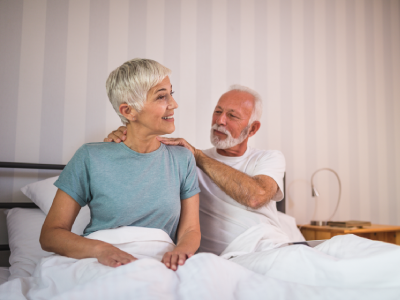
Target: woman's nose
column 172, row 103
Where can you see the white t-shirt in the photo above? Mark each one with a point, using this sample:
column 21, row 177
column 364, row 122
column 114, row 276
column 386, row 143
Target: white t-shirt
column 222, row 219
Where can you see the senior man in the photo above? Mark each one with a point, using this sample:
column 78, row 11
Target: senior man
column 239, row 185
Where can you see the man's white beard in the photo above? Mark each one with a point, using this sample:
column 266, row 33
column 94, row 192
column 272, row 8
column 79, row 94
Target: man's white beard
column 229, row 142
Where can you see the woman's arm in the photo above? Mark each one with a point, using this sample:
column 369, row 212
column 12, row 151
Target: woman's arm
column 56, row 235
column 188, row 234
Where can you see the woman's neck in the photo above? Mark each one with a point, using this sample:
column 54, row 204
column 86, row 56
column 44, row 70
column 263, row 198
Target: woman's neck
column 141, row 142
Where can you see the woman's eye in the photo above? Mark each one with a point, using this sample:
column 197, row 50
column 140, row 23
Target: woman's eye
column 160, row 97
column 172, row 92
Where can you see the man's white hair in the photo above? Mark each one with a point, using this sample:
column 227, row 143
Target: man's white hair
column 131, row 82
column 257, row 109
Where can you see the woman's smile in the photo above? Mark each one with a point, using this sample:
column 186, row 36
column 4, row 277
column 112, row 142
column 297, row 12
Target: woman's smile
column 169, row 118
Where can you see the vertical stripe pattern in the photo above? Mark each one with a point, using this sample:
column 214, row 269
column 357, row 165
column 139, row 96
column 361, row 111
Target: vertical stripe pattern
column 328, row 73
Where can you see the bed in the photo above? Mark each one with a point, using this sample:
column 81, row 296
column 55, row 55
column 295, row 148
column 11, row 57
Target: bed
column 254, row 266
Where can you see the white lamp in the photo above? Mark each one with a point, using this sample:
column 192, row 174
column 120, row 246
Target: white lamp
column 314, row 193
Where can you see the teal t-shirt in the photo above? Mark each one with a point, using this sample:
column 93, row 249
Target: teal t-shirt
column 126, row 188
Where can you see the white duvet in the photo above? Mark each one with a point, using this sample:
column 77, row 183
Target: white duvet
column 253, row 266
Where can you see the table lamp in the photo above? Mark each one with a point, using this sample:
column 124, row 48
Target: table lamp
column 315, row 194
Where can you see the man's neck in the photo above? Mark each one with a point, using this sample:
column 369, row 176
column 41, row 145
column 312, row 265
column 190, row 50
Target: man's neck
column 237, row 150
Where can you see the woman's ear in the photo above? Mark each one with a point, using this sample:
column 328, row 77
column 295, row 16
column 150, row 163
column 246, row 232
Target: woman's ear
column 128, row 112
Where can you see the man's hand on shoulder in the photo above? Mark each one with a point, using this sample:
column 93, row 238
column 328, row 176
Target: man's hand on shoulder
column 117, row 135
column 180, row 142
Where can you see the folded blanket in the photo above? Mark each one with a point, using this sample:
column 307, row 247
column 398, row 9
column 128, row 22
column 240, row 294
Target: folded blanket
column 345, row 261
column 204, row 276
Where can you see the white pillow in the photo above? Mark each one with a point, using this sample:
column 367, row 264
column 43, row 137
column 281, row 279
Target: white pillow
column 42, row 194
column 24, row 226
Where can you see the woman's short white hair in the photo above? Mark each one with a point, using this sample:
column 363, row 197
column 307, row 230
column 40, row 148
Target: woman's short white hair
column 131, row 82
column 257, row 110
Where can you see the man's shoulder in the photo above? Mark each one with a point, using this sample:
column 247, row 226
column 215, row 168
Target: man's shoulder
column 209, row 152
column 266, row 153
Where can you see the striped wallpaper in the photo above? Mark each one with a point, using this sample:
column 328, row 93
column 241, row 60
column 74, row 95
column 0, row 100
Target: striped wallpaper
column 328, row 72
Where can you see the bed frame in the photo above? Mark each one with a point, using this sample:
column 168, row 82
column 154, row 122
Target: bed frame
column 281, row 205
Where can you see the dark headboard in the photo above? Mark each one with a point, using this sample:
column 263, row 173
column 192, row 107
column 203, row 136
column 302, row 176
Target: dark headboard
column 14, row 165
column 281, row 205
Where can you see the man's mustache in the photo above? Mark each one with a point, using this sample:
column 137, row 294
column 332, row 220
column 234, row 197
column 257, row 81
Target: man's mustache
column 221, row 129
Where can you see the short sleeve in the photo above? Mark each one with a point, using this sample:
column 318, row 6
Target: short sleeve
column 272, row 164
column 190, row 184
column 74, row 179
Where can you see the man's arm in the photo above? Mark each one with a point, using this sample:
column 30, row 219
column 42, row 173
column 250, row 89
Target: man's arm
column 250, row 191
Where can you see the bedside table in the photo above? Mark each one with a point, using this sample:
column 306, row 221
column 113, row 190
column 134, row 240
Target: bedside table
column 384, row 233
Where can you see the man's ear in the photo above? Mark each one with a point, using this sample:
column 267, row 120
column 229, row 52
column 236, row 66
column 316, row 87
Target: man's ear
column 128, row 112
column 254, row 128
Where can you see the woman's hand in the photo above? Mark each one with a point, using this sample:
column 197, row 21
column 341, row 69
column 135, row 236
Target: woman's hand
column 188, row 235
column 111, row 256
column 176, row 257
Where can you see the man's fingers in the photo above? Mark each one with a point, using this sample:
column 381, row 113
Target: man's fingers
column 123, row 129
column 170, row 140
column 119, row 134
column 167, row 142
column 177, row 142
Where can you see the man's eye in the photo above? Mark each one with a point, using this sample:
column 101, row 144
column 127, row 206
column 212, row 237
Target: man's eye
column 232, row 116
column 217, row 112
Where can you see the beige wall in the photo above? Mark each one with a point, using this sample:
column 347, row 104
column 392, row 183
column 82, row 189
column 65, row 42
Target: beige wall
column 328, row 71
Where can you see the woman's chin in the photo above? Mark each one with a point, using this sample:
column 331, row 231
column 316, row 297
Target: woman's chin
column 169, row 130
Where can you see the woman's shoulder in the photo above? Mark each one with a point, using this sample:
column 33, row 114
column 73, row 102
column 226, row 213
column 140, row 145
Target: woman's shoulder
column 95, row 148
column 179, row 151
column 99, row 146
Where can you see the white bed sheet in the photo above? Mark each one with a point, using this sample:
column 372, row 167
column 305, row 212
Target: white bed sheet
column 4, row 274
column 204, row 276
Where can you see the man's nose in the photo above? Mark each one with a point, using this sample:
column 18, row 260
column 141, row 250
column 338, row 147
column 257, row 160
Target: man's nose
column 221, row 120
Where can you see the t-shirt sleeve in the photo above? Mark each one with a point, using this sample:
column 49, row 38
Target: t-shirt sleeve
column 272, row 164
column 190, row 184
column 74, row 179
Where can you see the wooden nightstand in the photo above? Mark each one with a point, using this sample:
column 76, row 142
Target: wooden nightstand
column 384, row 233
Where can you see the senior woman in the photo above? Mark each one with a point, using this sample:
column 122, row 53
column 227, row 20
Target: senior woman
column 140, row 182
